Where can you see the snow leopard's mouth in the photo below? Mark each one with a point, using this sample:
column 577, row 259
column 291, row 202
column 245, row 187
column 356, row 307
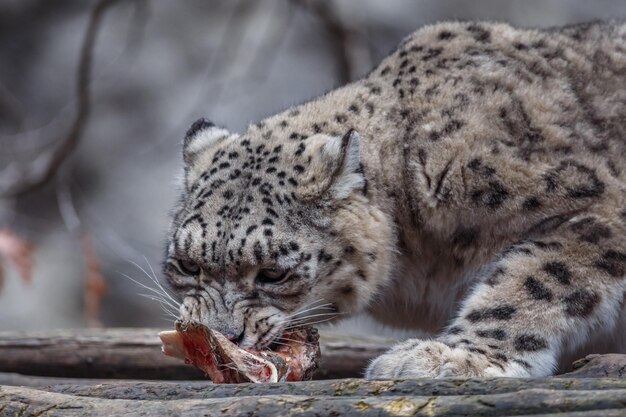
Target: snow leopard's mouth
column 271, row 340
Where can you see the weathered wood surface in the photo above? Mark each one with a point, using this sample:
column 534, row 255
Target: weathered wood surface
column 567, row 395
column 368, row 398
column 176, row 390
column 136, row 353
column 599, row 366
column 126, row 353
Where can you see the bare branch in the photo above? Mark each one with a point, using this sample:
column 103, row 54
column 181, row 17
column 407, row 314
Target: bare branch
column 68, row 211
column 10, row 107
column 217, row 76
column 19, row 178
column 337, row 30
column 270, row 46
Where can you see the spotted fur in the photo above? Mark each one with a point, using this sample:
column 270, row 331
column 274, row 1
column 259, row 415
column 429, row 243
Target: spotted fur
column 472, row 185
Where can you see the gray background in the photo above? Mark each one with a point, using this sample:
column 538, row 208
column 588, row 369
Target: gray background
column 159, row 65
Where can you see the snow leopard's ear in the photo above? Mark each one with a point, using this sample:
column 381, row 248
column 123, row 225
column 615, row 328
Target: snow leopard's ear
column 348, row 174
column 201, row 135
column 337, row 171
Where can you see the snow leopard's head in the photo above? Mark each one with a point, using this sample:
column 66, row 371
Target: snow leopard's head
column 273, row 231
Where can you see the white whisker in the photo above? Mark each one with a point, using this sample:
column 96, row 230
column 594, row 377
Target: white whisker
column 155, row 291
column 168, row 304
column 302, row 342
column 170, row 315
column 280, row 343
column 160, row 301
column 303, row 319
column 312, row 302
column 156, row 281
column 309, row 324
column 310, row 305
column 153, row 279
column 166, row 310
column 321, row 307
column 141, row 284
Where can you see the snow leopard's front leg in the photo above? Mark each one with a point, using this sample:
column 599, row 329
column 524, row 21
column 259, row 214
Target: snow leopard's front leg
column 541, row 298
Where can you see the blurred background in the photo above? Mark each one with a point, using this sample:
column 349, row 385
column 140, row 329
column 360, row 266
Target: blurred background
column 96, row 95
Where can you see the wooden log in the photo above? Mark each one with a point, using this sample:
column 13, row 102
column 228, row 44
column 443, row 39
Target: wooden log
column 531, row 401
column 136, row 353
column 19, row 380
column 583, row 397
column 599, row 366
column 175, row 390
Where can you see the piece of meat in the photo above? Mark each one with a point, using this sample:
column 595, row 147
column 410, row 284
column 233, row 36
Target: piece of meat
column 224, row 362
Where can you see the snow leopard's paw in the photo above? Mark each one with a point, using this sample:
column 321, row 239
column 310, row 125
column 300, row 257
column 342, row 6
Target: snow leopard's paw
column 416, row 358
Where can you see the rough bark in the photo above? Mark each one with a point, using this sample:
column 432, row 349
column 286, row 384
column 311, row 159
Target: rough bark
column 532, row 401
column 599, row 366
column 136, row 353
column 176, row 390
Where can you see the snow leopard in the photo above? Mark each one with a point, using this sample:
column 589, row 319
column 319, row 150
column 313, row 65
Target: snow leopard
column 472, row 185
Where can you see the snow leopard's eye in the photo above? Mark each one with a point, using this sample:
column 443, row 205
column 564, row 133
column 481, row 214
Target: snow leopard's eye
column 272, row 276
column 188, row 267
